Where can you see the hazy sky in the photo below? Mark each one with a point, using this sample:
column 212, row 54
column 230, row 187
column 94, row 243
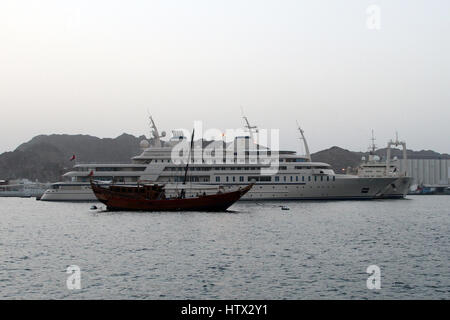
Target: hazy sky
column 96, row 67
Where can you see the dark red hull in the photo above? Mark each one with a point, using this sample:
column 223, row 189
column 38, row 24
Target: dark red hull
column 127, row 202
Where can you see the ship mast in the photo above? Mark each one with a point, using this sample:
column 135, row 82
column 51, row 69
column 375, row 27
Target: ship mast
column 189, row 157
column 249, row 127
column 373, row 146
column 388, row 156
column 155, row 133
column 302, row 137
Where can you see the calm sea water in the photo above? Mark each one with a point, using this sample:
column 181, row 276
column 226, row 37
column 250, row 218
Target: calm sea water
column 314, row 250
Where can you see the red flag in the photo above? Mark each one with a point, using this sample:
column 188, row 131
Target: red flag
column 73, row 158
column 91, row 173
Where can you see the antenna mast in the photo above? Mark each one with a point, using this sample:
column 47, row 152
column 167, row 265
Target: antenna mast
column 302, row 137
column 248, row 126
column 388, row 156
column 373, row 147
column 189, row 157
column 155, row 133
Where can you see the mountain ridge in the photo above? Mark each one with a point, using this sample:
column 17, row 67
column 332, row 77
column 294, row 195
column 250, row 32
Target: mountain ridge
column 47, row 157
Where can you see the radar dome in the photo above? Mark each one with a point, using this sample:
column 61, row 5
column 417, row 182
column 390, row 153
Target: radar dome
column 144, row 144
column 376, row 158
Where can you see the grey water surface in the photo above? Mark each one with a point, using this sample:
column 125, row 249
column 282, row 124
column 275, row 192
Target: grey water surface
column 315, row 250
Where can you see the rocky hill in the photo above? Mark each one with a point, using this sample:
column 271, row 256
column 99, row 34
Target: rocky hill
column 47, row 157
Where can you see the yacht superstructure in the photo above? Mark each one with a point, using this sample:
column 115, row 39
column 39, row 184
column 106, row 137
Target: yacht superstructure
column 278, row 175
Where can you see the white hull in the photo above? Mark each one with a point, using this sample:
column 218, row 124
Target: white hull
column 19, row 194
column 343, row 188
column 83, row 194
column 22, row 194
column 397, row 189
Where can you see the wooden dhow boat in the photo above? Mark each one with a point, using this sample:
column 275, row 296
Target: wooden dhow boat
column 151, row 197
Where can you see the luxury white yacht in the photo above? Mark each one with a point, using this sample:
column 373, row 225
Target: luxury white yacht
column 278, row 175
column 22, row 188
column 373, row 167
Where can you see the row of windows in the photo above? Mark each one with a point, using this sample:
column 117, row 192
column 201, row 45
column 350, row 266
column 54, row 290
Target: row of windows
column 189, row 178
column 190, row 169
column 209, row 168
column 102, row 169
column 192, row 161
column 226, row 160
column 277, row 178
column 235, row 168
column 115, row 179
column 106, row 169
column 294, row 160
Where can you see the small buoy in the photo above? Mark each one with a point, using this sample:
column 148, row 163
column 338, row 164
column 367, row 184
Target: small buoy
column 94, row 208
column 284, row 208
